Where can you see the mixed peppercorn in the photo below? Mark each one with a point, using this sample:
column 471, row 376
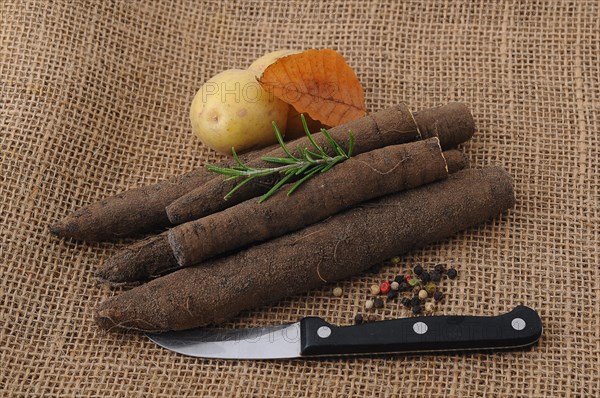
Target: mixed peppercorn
column 420, row 286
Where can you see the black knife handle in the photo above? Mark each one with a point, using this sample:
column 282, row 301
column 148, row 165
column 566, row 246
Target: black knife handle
column 519, row 328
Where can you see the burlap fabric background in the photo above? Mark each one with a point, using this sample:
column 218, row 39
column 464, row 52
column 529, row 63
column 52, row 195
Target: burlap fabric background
column 95, row 100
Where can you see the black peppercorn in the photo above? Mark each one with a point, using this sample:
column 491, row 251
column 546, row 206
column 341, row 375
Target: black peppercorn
column 378, row 303
column 452, row 273
column 440, row 268
column 438, row 295
column 392, row 295
column 406, row 302
column 435, row 276
column 418, row 270
column 372, row 318
column 399, row 279
column 425, row 277
column 403, row 287
column 416, row 309
column 358, row 319
column 415, row 301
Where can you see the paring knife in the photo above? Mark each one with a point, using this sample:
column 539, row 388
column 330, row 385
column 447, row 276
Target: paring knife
column 313, row 336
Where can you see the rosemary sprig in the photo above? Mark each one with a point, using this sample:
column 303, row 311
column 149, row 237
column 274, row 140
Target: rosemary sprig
column 306, row 164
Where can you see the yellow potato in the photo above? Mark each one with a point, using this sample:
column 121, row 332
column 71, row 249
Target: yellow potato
column 261, row 64
column 233, row 110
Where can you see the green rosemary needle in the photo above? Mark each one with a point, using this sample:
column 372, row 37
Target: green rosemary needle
column 303, row 166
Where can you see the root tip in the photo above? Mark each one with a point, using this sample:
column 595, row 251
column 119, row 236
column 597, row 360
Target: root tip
column 103, row 317
column 173, row 215
column 106, row 276
column 57, row 229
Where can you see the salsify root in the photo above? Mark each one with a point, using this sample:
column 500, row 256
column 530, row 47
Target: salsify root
column 452, row 124
column 143, row 209
column 336, row 248
column 359, row 179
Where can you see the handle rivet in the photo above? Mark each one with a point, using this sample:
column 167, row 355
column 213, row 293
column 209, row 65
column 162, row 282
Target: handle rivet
column 324, row 332
column 518, row 324
column 420, row 328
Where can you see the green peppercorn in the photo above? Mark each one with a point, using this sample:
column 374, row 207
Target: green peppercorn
column 418, row 270
column 416, row 309
column 415, row 301
column 358, row 319
column 392, row 295
column 438, row 295
column 435, row 276
column 440, row 268
column 378, row 302
column 414, row 281
column 430, row 288
column 395, row 260
column 425, row 277
column 452, row 273
column 406, row 301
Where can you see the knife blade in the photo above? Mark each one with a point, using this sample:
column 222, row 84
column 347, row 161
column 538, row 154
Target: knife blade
column 312, row 336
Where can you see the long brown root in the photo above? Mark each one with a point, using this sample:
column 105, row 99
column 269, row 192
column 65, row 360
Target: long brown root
column 376, row 173
column 143, row 209
column 336, row 248
column 451, row 123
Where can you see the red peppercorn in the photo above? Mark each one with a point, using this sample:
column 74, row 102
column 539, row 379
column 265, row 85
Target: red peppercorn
column 408, row 278
column 384, row 287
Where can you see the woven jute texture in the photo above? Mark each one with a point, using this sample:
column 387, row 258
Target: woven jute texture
column 94, row 100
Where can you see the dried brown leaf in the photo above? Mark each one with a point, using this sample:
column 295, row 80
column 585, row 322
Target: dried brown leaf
column 319, row 83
